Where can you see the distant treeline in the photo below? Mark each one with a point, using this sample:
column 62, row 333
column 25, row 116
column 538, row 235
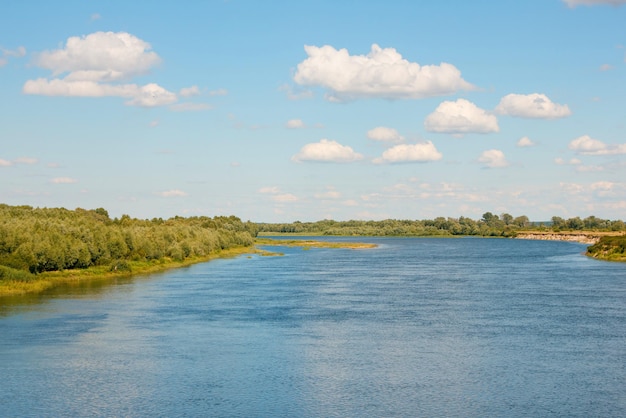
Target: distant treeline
column 504, row 225
column 38, row 240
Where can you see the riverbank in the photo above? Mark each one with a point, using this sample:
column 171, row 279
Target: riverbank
column 35, row 284
column 589, row 238
column 45, row 281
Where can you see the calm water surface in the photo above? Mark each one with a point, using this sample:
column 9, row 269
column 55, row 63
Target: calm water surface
column 416, row 327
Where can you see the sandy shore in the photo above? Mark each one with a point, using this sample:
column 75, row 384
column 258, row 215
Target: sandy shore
column 582, row 237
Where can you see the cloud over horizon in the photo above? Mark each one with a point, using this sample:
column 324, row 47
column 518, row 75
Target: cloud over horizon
column 382, row 73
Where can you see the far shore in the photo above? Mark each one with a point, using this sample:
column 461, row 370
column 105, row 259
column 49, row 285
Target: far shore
column 584, row 237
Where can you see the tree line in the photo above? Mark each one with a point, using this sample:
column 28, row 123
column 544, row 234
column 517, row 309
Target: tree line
column 50, row 239
column 504, row 225
column 36, row 240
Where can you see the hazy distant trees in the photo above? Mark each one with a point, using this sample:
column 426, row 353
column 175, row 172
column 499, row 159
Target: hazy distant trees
column 490, row 224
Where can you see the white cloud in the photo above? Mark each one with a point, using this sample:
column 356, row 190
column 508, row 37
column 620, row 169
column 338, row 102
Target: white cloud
column 574, row 3
column 94, row 65
column 589, row 146
column 493, row 158
column 190, row 107
column 63, row 180
column 405, row 153
column 149, row 95
column 525, row 142
column 96, row 16
column 606, row 67
column 100, row 56
column 382, row 73
column 327, row 151
column 5, row 163
column 384, row 134
column 533, row 105
column 295, row 124
column 172, row 193
column 460, row 117
column 189, row 91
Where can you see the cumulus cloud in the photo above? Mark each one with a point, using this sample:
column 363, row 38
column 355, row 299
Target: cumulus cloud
column 327, row 151
column 574, row 3
column 95, row 64
column 493, row 158
column 172, row 193
column 589, row 146
column 406, row 153
column 534, row 105
column 382, row 73
column 461, row 117
column 525, row 142
column 63, row 180
column 384, row 134
column 294, row 124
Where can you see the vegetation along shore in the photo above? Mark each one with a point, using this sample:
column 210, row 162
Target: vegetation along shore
column 41, row 248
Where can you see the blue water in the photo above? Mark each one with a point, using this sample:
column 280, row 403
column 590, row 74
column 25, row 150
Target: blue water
column 416, row 327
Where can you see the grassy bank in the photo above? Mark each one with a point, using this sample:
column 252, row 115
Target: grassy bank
column 313, row 243
column 15, row 282
column 609, row 248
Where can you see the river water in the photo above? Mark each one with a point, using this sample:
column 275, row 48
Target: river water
column 415, row 327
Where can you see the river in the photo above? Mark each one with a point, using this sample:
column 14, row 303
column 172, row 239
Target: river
column 466, row 327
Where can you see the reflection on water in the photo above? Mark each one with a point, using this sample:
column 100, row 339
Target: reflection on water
column 416, row 327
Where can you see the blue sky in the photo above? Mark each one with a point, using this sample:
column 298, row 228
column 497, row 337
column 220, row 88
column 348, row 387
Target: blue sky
column 280, row 111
